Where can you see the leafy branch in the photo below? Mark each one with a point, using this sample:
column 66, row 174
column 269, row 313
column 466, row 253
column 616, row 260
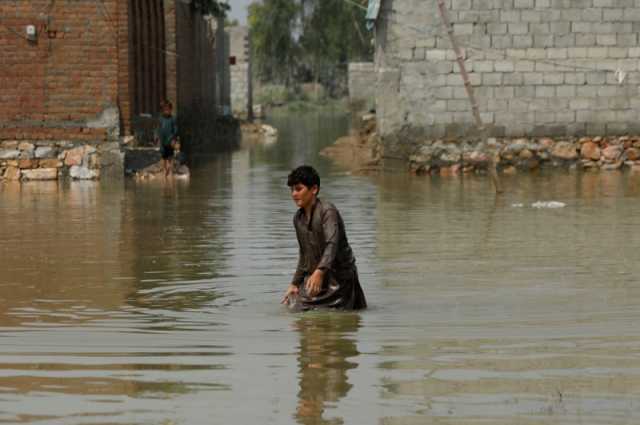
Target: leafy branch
column 211, row 7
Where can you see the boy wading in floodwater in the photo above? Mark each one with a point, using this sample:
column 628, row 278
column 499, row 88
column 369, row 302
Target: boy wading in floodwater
column 326, row 276
column 167, row 134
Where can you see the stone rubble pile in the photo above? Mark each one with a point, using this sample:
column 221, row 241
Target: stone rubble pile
column 523, row 154
column 50, row 160
column 156, row 170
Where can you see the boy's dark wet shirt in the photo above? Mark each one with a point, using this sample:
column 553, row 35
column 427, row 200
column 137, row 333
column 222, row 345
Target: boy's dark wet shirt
column 324, row 245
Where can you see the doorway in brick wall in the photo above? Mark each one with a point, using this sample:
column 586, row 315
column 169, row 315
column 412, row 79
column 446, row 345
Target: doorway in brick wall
column 147, row 59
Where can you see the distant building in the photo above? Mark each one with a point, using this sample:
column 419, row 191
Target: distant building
column 240, row 72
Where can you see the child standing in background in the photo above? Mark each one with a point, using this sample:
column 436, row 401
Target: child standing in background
column 167, row 136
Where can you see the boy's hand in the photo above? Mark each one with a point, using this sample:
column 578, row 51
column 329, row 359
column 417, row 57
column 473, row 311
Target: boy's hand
column 314, row 283
column 291, row 290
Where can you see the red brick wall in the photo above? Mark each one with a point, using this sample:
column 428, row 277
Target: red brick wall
column 124, row 94
column 50, row 88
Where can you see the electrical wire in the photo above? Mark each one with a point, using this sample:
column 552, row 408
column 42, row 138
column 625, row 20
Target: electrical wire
column 107, row 16
column 12, row 30
column 46, row 11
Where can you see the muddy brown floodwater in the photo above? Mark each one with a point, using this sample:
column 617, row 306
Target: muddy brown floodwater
column 152, row 303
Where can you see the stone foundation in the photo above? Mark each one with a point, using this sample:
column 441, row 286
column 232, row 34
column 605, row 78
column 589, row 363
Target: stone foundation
column 524, row 154
column 48, row 160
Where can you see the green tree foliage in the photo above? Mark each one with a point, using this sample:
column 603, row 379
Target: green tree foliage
column 312, row 40
column 334, row 34
column 211, row 7
column 231, row 22
column 272, row 24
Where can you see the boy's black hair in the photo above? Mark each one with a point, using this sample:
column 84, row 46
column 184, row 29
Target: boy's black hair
column 304, row 174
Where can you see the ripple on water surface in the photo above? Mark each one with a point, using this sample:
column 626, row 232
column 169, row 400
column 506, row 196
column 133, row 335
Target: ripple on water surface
column 153, row 303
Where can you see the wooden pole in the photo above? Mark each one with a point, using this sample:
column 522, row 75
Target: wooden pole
column 469, row 89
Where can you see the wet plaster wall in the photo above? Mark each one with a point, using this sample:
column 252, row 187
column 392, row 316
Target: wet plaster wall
column 538, row 68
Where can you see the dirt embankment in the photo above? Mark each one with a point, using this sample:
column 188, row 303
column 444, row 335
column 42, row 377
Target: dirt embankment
column 360, row 152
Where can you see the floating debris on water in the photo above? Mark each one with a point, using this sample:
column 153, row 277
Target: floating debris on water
column 541, row 204
column 548, row 204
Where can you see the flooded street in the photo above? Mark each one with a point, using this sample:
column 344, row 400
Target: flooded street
column 154, row 303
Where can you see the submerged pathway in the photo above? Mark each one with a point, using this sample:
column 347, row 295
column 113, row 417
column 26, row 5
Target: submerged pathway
column 157, row 303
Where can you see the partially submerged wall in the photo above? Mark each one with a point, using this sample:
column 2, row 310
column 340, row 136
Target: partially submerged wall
column 52, row 160
column 59, row 88
column 538, row 67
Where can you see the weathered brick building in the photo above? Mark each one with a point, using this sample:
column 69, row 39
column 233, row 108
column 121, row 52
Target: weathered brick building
column 81, row 74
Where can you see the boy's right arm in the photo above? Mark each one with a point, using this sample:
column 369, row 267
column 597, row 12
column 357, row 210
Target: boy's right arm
column 298, row 276
column 291, row 290
column 298, row 279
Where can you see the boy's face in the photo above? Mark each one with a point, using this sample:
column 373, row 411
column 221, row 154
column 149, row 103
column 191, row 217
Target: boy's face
column 166, row 109
column 302, row 195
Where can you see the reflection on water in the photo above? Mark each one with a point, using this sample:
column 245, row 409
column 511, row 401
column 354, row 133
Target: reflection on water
column 155, row 303
column 327, row 347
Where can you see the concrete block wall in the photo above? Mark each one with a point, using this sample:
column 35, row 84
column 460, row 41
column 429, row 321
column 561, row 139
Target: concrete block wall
column 362, row 83
column 538, row 67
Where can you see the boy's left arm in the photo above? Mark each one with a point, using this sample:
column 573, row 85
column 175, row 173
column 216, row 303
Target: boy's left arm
column 330, row 229
column 298, row 276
